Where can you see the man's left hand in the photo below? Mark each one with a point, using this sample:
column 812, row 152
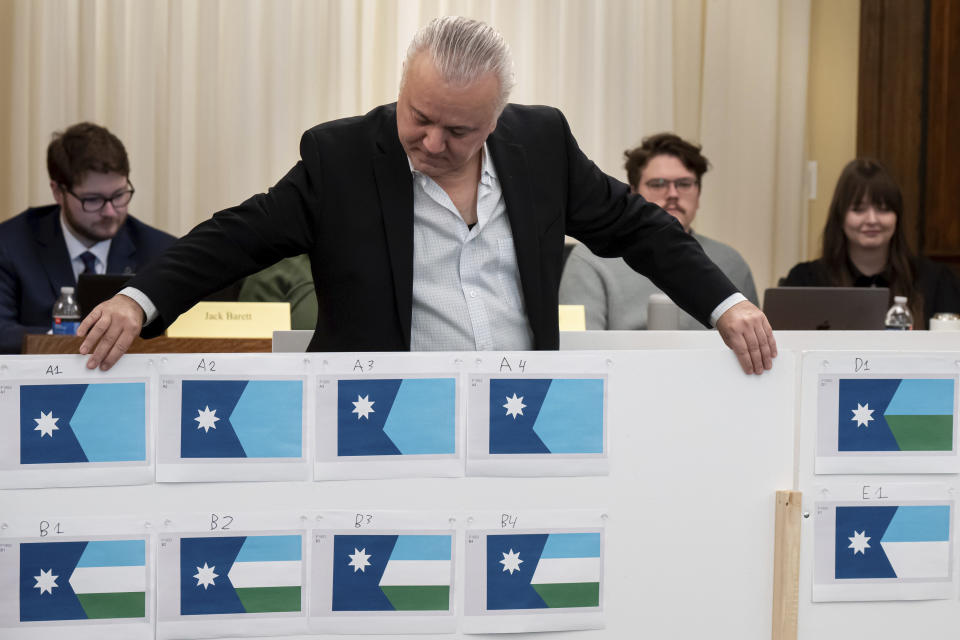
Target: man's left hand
column 745, row 329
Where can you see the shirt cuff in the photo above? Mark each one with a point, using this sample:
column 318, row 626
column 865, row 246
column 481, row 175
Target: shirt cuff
column 721, row 309
column 150, row 309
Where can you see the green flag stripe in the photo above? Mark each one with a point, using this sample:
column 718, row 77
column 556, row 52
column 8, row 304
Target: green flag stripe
column 922, row 433
column 419, row 598
column 570, row 594
column 130, row 604
column 265, row 599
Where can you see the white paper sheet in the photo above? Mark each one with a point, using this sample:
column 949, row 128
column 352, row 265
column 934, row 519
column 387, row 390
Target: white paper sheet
column 882, row 541
column 221, row 575
column 537, row 414
column 384, row 415
column 882, row 412
column 64, row 425
column 233, row 417
column 534, row 571
column 384, row 572
column 82, row 578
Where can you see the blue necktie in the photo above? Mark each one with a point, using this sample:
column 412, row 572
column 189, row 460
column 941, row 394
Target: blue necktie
column 89, row 262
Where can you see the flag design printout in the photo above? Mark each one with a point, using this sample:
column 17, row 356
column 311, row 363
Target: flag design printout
column 895, row 414
column 82, row 580
column 546, row 416
column 896, row 542
column 240, row 574
column 543, row 571
column 241, row 419
column 392, row 572
column 103, row 422
column 396, row 417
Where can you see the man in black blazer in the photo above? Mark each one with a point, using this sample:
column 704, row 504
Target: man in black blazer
column 436, row 223
column 45, row 248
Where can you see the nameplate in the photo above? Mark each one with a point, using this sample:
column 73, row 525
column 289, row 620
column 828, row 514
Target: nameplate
column 573, row 317
column 232, row 320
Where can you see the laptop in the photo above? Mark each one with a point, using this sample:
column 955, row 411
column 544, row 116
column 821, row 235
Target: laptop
column 808, row 308
column 94, row 288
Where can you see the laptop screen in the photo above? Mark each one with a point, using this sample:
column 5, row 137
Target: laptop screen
column 808, row 308
column 92, row 289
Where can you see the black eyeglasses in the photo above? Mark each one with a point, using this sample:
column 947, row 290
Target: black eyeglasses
column 683, row 185
column 95, row 204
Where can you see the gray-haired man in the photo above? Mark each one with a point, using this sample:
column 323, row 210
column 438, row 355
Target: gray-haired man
column 435, row 223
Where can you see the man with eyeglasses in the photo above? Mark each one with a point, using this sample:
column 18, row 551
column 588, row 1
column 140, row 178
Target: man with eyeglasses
column 88, row 230
column 667, row 170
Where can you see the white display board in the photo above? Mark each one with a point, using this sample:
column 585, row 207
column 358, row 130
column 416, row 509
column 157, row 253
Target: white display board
column 695, row 451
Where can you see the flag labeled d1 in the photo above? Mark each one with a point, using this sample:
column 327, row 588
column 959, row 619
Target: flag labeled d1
column 543, row 571
column 241, row 419
column 896, row 414
column 560, row 415
column 907, row 542
column 240, row 574
column 101, row 422
column 381, row 572
column 391, row 417
column 97, row 579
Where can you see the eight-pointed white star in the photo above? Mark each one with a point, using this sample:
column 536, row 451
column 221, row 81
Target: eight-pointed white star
column 863, row 414
column 514, row 406
column 359, row 560
column 46, row 581
column 46, row 425
column 511, row 561
column 207, row 419
column 205, row 576
column 363, row 407
column 858, row 542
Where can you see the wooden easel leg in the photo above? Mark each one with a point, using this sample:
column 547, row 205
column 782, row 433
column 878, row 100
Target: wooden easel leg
column 786, row 566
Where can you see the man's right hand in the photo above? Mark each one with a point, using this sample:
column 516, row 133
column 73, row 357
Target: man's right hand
column 109, row 331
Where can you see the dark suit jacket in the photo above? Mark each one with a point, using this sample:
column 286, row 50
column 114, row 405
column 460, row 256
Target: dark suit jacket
column 34, row 264
column 349, row 204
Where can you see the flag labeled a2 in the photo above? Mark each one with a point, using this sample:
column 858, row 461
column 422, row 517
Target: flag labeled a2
column 396, row 417
column 81, row 580
column 546, row 416
column 241, row 419
column 384, row 572
column 543, row 570
column 895, row 543
column 896, row 414
column 241, row 574
column 77, row 423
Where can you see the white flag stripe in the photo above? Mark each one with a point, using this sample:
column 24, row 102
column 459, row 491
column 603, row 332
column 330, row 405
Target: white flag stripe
column 560, row 570
column 109, row 579
column 919, row 559
column 284, row 573
column 400, row 573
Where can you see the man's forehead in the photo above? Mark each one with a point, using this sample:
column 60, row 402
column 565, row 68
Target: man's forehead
column 664, row 163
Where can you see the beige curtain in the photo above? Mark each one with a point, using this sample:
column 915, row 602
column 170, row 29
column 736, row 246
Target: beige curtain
column 211, row 96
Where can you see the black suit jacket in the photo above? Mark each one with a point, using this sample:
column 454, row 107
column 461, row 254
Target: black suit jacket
column 348, row 203
column 34, row 264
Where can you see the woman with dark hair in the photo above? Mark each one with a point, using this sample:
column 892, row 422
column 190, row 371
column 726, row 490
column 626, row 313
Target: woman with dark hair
column 864, row 246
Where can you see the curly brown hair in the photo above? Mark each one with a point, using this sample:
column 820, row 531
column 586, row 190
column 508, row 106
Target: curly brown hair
column 82, row 148
column 669, row 144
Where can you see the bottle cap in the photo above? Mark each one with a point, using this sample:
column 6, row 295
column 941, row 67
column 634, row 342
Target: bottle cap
column 900, row 299
column 66, row 289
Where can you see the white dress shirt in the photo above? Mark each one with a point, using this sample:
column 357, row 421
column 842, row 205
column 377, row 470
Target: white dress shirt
column 101, row 250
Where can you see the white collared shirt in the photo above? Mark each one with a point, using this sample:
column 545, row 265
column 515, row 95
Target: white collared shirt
column 100, row 250
column 466, row 283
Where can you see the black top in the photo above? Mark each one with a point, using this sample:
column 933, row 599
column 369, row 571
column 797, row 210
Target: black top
column 938, row 285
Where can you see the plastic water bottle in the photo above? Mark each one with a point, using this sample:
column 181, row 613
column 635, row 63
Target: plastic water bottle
column 899, row 317
column 66, row 313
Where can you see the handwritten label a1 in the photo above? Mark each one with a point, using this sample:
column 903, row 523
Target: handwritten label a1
column 220, row 521
column 53, row 370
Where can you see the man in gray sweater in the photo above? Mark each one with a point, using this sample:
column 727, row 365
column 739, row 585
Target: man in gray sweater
column 667, row 170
